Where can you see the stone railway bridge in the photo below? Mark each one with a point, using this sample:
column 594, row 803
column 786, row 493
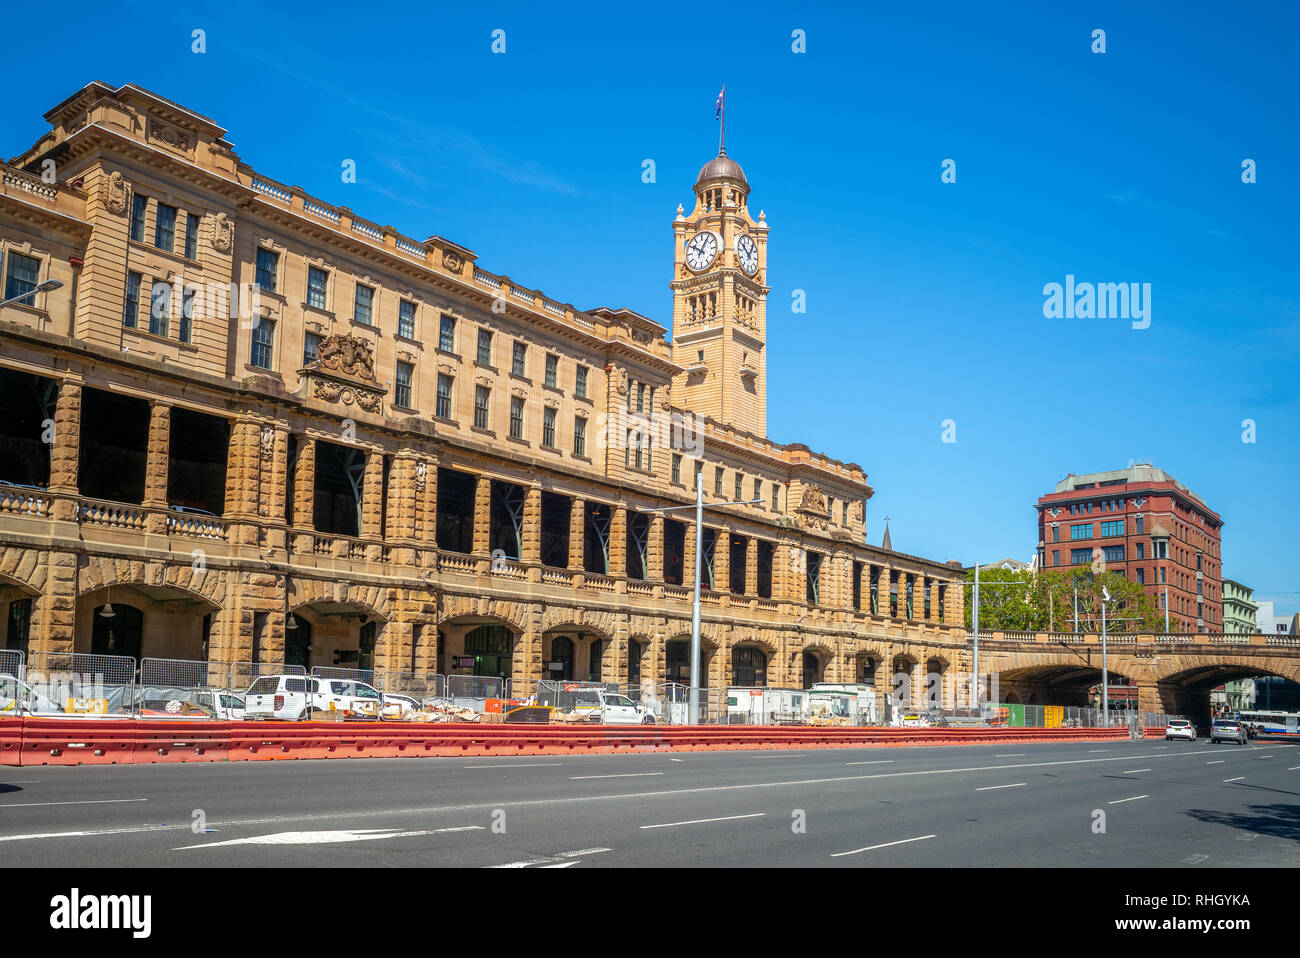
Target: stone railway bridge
column 1173, row 673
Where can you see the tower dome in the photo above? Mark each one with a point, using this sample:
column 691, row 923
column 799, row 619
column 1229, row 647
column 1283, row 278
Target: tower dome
column 722, row 167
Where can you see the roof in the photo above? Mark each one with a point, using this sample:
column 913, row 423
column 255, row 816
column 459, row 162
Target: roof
column 1135, row 473
column 722, row 167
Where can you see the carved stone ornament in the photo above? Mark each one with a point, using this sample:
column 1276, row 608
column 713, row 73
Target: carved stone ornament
column 452, row 261
column 421, row 475
column 223, row 234
column 812, row 501
column 118, row 199
column 447, row 368
column 169, row 135
column 347, row 354
column 620, row 380
column 338, row 392
column 268, row 441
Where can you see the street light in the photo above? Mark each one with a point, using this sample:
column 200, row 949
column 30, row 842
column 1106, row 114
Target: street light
column 1105, row 680
column 693, row 710
column 45, row 287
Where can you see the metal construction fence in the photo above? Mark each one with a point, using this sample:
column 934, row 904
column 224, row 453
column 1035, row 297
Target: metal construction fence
column 11, row 663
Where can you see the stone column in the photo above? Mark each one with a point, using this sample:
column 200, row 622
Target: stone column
column 482, row 515
column 157, row 455
column 577, row 534
column 751, row 567
column 403, row 501
column 279, row 473
column 655, row 548
column 618, row 544
column 304, row 485
column 372, row 496
column 531, row 548
column 722, row 562
column 66, row 443
column 243, row 469
column 426, row 489
column 884, row 679
column 526, row 664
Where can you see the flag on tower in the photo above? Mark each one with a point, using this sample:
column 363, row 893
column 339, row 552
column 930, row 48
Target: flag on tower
column 718, row 106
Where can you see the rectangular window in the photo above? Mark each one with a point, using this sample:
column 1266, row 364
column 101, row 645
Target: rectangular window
column 263, row 335
column 406, row 319
column 443, row 409
column 776, row 497
column 402, row 387
column 22, row 277
column 361, row 307
column 317, row 286
column 580, row 384
column 132, row 311
column 1081, row 531
column 517, row 363
column 740, row 480
column 482, row 396
column 160, row 307
column 138, row 205
column 1112, row 528
column 677, row 467
column 268, row 261
column 1056, row 533
column 758, row 489
column 717, row 481
column 552, row 369
column 548, row 427
column 485, row 347
column 310, row 343
column 1139, row 525
column 579, row 436
column 1080, row 556
column 164, row 228
column 186, row 325
column 447, row 334
column 1114, row 553
column 191, row 236
column 640, row 397
column 1162, row 575
column 1056, row 557
column 516, row 417
column 1142, row 576
column 1142, row 550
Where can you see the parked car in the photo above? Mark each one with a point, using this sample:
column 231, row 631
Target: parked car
column 1227, row 730
column 1180, row 728
column 292, row 697
column 277, row 697
column 19, row 698
column 610, row 708
column 190, row 703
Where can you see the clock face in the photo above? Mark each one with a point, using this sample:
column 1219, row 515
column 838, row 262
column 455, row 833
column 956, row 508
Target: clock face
column 748, row 253
column 701, row 250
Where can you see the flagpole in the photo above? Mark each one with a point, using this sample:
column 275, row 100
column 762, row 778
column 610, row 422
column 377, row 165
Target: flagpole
column 722, row 130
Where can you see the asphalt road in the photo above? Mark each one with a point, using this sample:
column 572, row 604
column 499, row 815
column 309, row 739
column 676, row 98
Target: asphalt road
column 1181, row 804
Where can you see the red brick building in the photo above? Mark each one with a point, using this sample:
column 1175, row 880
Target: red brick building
column 1150, row 528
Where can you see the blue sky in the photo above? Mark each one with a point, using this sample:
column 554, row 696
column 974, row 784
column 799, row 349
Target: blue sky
column 925, row 299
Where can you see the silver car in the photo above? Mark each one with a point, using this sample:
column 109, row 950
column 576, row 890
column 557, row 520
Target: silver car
column 1227, row 730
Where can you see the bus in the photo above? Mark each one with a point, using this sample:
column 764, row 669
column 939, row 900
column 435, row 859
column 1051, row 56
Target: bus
column 1270, row 725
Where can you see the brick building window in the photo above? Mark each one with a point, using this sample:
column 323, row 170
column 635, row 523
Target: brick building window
column 402, row 386
column 740, row 480
column 1114, row 528
column 1081, row 531
column 1080, row 556
column 317, row 281
column 717, row 481
column 677, row 467
column 443, row 409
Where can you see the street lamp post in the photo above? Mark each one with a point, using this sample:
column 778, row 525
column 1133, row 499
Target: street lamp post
column 975, row 635
column 693, row 709
column 1105, row 679
column 45, row 287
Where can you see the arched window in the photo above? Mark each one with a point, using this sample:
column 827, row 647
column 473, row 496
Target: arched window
column 560, row 664
column 120, row 634
column 748, row 666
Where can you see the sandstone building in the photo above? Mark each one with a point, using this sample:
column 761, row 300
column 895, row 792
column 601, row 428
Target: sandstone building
column 391, row 457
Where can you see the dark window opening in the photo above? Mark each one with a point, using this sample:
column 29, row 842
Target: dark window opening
column 560, row 664
column 340, row 472
column 677, row 659
column 766, row 550
column 748, row 666
column 638, row 545
column 812, row 669
column 492, row 647
column 114, row 444
column 506, row 520
column 708, row 550
column 456, row 511
column 28, row 401
column 297, row 643
column 633, row 662
column 814, row 579
column 893, row 595
column 739, row 553
column 857, row 586
column 18, row 630
column 595, row 546
column 196, row 469
column 875, row 591
column 121, row 634
column 594, row 663
column 556, row 510
column 674, row 551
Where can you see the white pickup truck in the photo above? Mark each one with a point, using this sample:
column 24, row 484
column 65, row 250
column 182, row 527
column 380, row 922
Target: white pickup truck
column 611, row 708
column 19, row 698
column 286, row 697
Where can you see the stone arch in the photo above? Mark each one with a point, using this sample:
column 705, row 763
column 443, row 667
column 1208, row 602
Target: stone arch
column 195, row 578
column 514, row 615
column 583, row 637
column 25, row 569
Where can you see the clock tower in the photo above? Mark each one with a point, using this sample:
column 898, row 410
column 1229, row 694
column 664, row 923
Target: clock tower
column 720, row 301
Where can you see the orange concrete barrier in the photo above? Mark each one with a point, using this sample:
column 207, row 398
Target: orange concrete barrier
column 43, row 741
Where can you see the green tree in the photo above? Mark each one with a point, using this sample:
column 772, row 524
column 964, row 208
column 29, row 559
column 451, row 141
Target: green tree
column 1024, row 601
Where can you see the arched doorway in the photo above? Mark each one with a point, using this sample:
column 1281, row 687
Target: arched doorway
column 748, row 666
column 635, row 650
column 559, row 664
column 866, row 668
column 492, row 649
column 935, row 680
column 813, row 667
column 297, row 641
column 677, row 662
column 905, row 696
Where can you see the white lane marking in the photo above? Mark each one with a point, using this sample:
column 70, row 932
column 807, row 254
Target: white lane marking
column 578, row 799
column 1092, row 750
column 703, row 821
column 674, row 760
column 1263, row 756
column 25, row 781
column 553, row 861
column 1237, row 779
column 879, row 761
column 331, row 838
column 791, row 755
column 1293, row 768
column 989, row 788
column 574, row 778
column 1121, row 801
column 96, row 801
column 517, row 765
column 872, row 848
column 1011, row 755
column 1134, row 771
column 1219, row 762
